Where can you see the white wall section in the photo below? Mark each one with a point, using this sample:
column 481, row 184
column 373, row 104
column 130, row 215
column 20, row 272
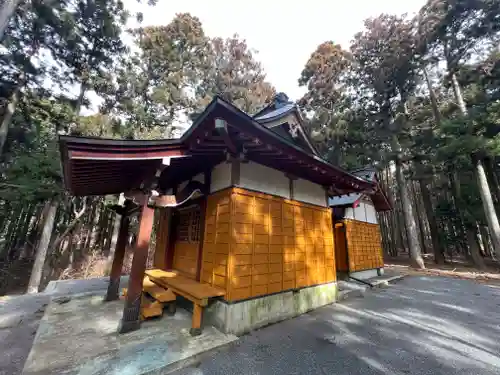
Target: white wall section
column 260, row 178
column 371, row 214
column 309, row 192
column 364, row 212
column 221, row 177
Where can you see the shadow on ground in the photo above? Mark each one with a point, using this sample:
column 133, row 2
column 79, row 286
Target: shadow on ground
column 421, row 325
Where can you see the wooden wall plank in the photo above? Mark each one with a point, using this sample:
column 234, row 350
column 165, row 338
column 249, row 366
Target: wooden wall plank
column 278, row 244
column 364, row 245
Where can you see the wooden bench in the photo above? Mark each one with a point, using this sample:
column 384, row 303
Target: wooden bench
column 194, row 291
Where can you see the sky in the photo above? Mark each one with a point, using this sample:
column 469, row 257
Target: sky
column 284, row 33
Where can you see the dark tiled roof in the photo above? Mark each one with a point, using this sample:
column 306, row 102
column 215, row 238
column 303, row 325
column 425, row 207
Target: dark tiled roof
column 368, row 173
column 276, row 113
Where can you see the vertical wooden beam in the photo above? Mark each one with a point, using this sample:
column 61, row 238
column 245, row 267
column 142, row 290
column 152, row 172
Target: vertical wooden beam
column 203, row 212
column 235, row 170
column 116, row 267
column 196, row 321
column 162, row 238
column 291, row 179
column 207, row 181
column 172, row 237
column 131, row 312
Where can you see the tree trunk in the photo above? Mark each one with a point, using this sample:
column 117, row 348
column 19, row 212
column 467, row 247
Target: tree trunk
column 15, row 233
column 489, row 208
column 432, row 95
column 486, row 240
column 457, row 91
column 9, row 113
column 475, row 252
column 489, row 166
column 420, row 219
column 42, row 249
column 482, row 181
column 7, row 9
column 89, row 229
column 71, row 226
column 114, row 237
column 396, row 234
column 31, row 233
column 94, row 229
column 433, row 226
column 409, row 217
column 26, row 221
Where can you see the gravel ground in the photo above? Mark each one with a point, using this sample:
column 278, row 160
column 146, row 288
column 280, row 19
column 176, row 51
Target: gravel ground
column 420, row 325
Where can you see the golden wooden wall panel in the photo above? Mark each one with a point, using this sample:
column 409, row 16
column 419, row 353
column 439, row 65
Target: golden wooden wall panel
column 216, row 243
column 186, row 258
column 276, row 245
column 364, row 245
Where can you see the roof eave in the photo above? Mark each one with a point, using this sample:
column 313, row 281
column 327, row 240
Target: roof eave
column 363, row 184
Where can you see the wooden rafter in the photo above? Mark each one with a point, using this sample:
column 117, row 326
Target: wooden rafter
column 222, row 129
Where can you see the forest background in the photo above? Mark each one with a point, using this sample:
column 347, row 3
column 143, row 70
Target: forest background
column 418, row 97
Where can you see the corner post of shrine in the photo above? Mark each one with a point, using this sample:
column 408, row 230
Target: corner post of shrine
column 131, row 318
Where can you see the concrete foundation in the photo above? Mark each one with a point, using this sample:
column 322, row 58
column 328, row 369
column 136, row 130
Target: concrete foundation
column 367, row 274
column 241, row 317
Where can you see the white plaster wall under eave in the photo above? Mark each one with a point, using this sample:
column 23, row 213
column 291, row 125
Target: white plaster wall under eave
column 364, row 212
column 260, row 178
column 309, row 192
column 371, row 214
column 221, row 177
column 357, row 213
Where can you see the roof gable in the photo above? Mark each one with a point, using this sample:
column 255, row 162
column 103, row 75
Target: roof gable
column 378, row 197
column 283, row 117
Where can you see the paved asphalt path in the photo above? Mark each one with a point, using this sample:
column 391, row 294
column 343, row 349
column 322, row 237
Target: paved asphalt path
column 420, row 325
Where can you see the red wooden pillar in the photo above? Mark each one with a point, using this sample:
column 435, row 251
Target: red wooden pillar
column 132, row 310
column 116, row 267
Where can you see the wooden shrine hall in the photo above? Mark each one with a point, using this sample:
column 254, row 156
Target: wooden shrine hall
column 242, row 215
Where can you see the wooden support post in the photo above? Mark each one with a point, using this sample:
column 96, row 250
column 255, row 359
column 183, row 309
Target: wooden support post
column 116, row 268
column 235, row 170
column 162, row 238
column 196, row 322
column 132, row 310
column 203, row 212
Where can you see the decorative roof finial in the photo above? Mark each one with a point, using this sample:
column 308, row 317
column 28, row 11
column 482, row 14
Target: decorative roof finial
column 280, row 99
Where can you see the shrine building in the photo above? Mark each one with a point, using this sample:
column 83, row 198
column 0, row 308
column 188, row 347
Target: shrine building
column 242, row 206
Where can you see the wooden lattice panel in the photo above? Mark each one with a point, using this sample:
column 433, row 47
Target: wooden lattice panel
column 364, row 245
column 265, row 244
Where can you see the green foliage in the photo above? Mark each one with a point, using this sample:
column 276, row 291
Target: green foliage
column 154, row 84
column 32, row 170
column 232, row 72
column 372, row 102
column 326, row 76
column 57, row 53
